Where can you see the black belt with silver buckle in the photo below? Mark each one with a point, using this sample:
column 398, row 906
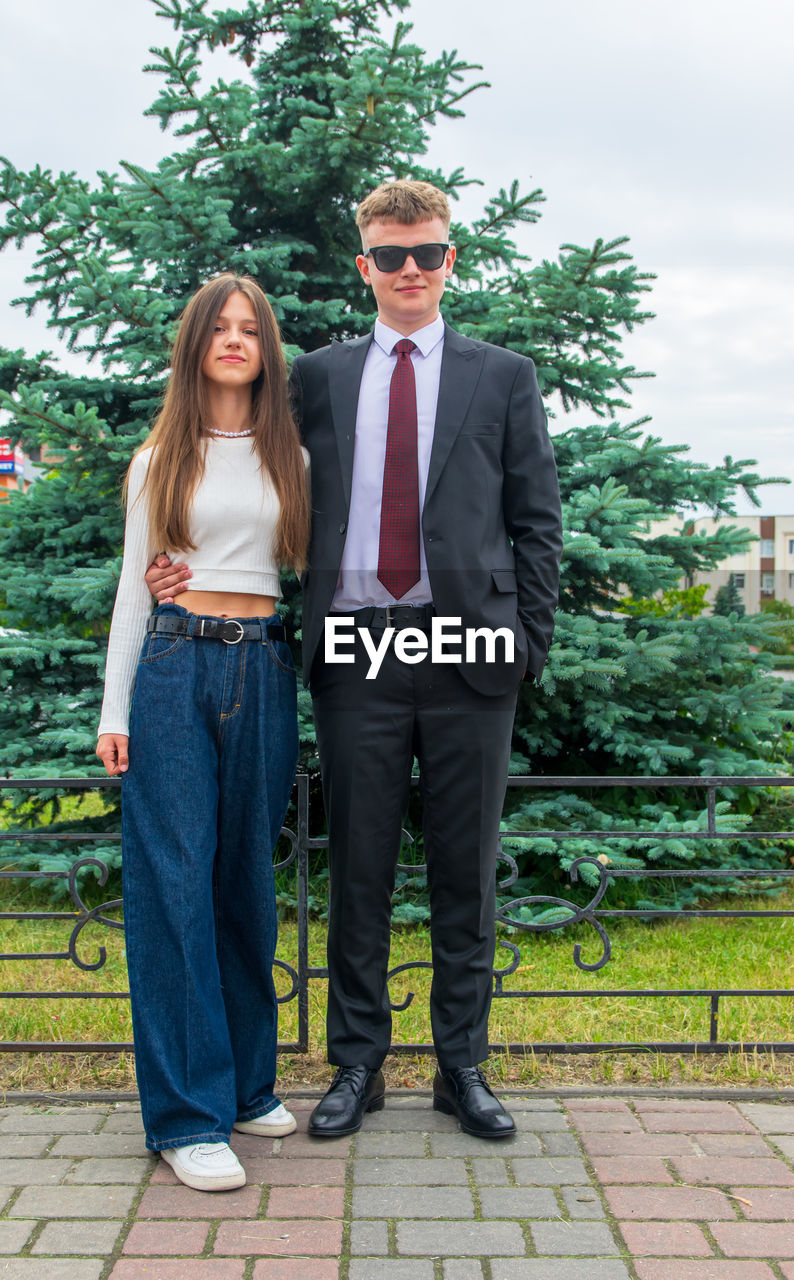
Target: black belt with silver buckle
column 398, row 616
column 229, row 630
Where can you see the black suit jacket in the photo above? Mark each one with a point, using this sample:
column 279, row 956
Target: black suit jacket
column 491, row 516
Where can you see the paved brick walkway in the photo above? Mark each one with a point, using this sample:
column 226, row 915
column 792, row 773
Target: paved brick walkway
column 591, row 1189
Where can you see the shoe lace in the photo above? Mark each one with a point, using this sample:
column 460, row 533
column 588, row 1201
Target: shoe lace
column 354, row 1076
column 466, row 1077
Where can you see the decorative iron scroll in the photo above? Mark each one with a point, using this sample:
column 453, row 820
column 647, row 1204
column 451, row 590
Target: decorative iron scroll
column 577, row 915
column 89, row 915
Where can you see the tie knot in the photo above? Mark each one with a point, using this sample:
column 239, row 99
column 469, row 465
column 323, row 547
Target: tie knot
column 404, row 347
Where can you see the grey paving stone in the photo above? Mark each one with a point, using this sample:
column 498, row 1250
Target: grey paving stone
column 39, row 1173
column 559, row 1269
column 391, row 1269
column 462, row 1269
column 544, row 1122
column 117, row 1169
column 78, row 1237
column 23, row 1144
column 410, row 1173
column 530, row 1104
column 490, row 1173
column 769, row 1117
column 73, row 1202
column 547, row 1172
column 786, row 1144
column 582, row 1202
column 6, row 1194
column 13, row 1236
column 573, row 1239
column 372, row 1145
column 369, row 1238
column 56, row 1269
column 519, row 1202
column 412, row 1202
column 421, row 1119
column 103, row 1145
column 64, row 1120
column 124, row 1121
column 462, row 1144
column 560, row 1144
column 461, row 1239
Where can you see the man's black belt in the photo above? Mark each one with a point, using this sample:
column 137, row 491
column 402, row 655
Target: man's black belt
column 398, row 616
column 230, row 630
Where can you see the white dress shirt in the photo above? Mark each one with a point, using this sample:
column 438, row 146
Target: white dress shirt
column 358, row 583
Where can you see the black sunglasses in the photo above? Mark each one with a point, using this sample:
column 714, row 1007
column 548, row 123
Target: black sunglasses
column 391, row 257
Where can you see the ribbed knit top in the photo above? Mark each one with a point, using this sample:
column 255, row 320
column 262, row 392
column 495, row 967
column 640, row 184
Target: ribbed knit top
column 232, row 523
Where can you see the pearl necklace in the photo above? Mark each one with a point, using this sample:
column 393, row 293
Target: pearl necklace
column 231, row 435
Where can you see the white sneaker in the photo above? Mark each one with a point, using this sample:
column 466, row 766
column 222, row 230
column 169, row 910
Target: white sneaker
column 206, row 1166
column 274, row 1124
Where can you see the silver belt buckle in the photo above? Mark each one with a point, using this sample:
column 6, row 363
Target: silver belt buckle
column 232, row 622
column 389, row 619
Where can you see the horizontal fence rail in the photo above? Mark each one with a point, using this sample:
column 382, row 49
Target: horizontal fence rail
column 559, row 913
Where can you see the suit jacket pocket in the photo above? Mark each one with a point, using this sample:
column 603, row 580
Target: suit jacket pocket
column 505, row 580
column 479, row 429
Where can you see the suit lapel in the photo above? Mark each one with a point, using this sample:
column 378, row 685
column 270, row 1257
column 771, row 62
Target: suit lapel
column 344, row 381
column 460, row 370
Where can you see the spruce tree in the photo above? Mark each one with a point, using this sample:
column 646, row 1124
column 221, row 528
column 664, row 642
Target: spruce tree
column 267, row 169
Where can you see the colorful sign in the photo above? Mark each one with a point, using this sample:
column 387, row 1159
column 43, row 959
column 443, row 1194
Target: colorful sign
column 10, row 459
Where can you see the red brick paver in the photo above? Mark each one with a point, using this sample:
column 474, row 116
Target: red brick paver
column 753, row 1240
column 177, row 1269
column 696, row 1122
column 275, row 1172
column 182, row 1202
column 279, row 1237
column 605, row 1121
column 630, row 1169
column 667, row 1269
column 159, row 1238
column 639, row 1144
column 306, row 1202
column 722, row 1172
column 671, row 1239
column 642, row 1203
column 770, row 1203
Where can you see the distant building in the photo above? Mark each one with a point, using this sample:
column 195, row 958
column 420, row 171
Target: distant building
column 764, row 571
column 17, row 469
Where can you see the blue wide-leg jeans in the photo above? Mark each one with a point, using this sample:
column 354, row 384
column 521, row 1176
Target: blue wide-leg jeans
column 213, row 749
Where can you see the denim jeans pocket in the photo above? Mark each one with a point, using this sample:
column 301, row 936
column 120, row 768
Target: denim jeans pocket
column 281, row 655
column 159, row 646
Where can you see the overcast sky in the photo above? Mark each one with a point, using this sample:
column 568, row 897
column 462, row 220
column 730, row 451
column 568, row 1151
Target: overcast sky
column 666, row 120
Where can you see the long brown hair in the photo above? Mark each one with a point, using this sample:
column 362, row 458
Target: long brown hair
column 178, row 436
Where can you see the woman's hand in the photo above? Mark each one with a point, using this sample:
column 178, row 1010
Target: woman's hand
column 112, row 751
column 162, row 577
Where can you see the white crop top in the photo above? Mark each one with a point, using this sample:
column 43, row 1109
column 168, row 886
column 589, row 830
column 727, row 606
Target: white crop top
column 232, row 522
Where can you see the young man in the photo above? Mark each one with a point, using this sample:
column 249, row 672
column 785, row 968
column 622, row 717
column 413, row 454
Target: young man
column 434, row 497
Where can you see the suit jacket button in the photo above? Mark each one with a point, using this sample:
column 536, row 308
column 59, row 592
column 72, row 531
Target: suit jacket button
column 342, row 528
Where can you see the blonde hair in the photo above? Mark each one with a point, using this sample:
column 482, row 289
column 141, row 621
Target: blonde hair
column 178, row 435
column 403, row 201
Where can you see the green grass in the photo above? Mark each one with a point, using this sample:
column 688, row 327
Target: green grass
column 690, row 953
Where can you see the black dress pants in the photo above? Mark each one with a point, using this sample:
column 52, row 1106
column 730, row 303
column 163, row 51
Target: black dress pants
column 368, row 732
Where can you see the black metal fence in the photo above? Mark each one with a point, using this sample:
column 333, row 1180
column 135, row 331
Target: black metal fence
column 301, row 974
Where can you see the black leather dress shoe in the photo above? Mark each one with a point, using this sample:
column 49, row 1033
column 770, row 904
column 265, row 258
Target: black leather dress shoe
column 353, row 1091
column 463, row 1092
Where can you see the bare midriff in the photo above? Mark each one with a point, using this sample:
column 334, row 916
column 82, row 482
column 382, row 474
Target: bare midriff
column 226, row 604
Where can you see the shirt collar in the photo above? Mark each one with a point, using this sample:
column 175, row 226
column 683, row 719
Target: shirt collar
column 426, row 338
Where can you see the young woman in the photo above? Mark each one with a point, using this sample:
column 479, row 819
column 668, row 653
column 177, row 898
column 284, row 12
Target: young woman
column 209, row 745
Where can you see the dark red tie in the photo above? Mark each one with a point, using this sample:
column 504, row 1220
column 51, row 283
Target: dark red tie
column 398, row 553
